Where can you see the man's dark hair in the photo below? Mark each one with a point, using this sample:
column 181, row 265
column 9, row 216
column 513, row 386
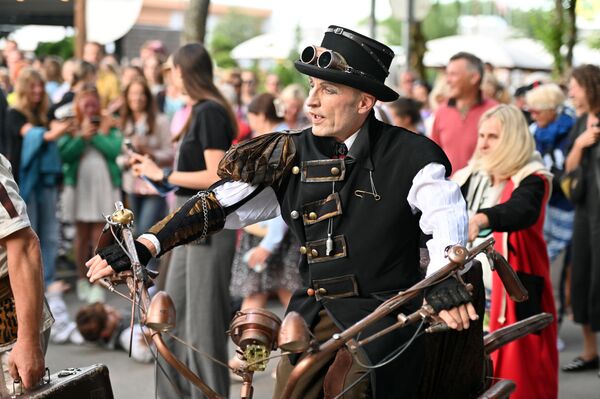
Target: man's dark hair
column 91, row 320
column 588, row 77
column 473, row 61
column 407, row 107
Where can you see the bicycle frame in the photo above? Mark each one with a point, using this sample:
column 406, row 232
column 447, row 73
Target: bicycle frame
column 257, row 332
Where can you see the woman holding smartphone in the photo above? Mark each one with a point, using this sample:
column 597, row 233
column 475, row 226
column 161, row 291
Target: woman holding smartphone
column 199, row 273
column 92, row 180
column 147, row 132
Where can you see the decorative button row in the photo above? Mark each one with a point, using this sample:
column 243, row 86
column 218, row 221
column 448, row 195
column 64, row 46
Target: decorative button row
column 312, row 292
column 313, row 252
column 311, row 216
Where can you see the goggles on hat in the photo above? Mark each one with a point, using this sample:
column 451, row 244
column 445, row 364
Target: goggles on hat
column 329, row 59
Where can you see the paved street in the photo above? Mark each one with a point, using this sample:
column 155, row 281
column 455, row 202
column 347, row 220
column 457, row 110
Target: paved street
column 133, row 380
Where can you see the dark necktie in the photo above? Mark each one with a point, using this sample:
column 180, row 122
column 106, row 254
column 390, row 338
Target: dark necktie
column 340, row 151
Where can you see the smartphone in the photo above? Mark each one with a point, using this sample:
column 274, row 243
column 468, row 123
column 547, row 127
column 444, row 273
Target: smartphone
column 129, row 145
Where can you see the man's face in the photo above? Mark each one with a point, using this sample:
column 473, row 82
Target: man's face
column 336, row 110
column 92, row 53
column 461, row 79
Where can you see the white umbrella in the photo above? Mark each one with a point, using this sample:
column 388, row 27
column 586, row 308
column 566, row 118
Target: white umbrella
column 583, row 54
column 261, row 47
column 498, row 51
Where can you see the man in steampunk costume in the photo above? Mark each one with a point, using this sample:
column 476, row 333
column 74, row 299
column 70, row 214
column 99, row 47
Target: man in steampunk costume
column 357, row 193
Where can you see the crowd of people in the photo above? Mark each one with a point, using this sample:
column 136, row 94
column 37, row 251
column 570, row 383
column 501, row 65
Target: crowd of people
column 81, row 134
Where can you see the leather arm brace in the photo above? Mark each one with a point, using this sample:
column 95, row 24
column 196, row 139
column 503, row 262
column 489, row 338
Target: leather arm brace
column 200, row 216
column 447, row 294
column 265, row 160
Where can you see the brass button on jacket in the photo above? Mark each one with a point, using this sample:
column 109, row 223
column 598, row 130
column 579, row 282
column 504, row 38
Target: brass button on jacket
column 335, row 171
column 295, row 170
column 312, row 216
column 303, row 250
column 314, row 253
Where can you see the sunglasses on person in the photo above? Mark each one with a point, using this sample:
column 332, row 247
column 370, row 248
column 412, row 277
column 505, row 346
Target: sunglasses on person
column 329, row 59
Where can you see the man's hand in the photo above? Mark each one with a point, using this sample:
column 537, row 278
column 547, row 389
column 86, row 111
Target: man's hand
column 98, row 268
column 113, row 259
column 26, row 361
column 451, row 300
column 459, row 318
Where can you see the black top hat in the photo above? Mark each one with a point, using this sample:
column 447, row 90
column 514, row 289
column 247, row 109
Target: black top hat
column 364, row 62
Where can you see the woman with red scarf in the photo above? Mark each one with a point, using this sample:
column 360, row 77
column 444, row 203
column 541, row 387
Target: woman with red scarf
column 506, row 186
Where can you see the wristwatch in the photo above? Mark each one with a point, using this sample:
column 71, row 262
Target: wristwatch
column 166, row 173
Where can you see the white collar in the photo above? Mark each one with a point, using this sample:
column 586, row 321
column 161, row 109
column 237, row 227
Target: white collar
column 350, row 140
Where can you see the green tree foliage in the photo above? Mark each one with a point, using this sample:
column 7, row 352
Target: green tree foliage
column 552, row 27
column 594, row 41
column 441, row 20
column 231, row 30
column 64, row 48
column 285, row 69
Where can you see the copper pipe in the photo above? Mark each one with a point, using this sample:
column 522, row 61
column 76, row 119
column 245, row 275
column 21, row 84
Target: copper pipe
column 328, row 348
column 181, row 368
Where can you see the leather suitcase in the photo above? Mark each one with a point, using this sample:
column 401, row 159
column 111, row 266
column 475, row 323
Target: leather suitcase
column 90, row 382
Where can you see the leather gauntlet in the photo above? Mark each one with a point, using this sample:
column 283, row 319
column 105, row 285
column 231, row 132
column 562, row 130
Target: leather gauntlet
column 447, row 294
column 119, row 261
column 200, row 216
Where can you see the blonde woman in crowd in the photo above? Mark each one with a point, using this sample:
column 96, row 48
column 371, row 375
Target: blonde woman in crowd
column 32, row 151
column 493, row 89
column 506, row 186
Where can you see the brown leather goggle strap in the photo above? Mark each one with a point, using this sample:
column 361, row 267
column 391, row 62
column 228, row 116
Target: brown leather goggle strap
column 335, row 287
column 323, row 170
column 317, row 211
column 316, row 250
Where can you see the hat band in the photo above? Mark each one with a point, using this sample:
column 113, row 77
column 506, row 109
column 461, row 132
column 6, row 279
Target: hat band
column 329, row 59
column 356, row 39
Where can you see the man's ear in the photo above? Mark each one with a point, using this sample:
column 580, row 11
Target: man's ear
column 366, row 103
column 475, row 78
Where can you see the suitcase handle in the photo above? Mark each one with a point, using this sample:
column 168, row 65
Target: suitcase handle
column 17, row 384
